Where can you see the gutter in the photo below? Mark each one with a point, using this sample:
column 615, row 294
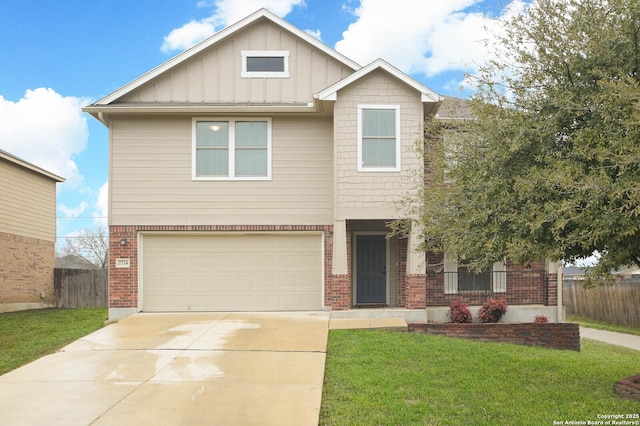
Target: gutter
column 96, row 110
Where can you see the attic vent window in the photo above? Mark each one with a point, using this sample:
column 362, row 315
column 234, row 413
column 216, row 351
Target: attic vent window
column 265, row 63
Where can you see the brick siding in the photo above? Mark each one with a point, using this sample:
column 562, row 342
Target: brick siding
column 413, row 291
column 526, row 285
column 123, row 282
column 416, row 291
column 549, row 335
column 27, row 269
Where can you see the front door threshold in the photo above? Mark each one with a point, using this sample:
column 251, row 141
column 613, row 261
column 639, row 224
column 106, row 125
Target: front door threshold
column 371, row 305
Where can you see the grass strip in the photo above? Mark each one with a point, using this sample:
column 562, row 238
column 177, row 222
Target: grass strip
column 591, row 323
column 28, row 335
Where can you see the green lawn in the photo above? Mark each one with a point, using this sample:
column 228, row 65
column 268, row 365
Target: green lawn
column 376, row 377
column 28, row 335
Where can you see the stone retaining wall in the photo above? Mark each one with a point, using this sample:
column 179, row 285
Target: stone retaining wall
column 549, row 335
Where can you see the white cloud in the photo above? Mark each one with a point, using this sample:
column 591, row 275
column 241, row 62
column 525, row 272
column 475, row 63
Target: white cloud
column 230, row 11
column 226, row 12
column 46, row 129
column 102, row 205
column 187, row 35
column 422, row 36
column 315, row 34
column 73, row 212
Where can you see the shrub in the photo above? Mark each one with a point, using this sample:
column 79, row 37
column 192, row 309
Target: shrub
column 492, row 310
column 541, row 319
column 459, row 312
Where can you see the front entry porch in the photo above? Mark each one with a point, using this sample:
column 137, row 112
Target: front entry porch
column 373, row 275
column 374, row 269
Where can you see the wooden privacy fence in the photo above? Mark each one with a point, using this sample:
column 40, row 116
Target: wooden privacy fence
column 81, row 288
column 617, row 304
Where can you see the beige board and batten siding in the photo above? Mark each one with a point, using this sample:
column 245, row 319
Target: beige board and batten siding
column 214, row 76
column 151, row 177
column 373, row 195
column 27, row 202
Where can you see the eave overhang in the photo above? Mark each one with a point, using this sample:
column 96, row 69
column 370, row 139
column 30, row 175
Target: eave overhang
column 201, row 108
column 32, row 167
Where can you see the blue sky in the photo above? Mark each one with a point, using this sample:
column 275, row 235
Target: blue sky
column 60, row 56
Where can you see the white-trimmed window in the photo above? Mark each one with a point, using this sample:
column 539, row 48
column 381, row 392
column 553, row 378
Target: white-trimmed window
column 238, row 148
column 379, row 138
column 458, row 278
column 265, row 63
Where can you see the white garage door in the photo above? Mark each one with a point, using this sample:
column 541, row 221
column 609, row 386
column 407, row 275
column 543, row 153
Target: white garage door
column 231, row 272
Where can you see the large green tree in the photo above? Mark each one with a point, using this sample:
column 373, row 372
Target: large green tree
column 550, row 165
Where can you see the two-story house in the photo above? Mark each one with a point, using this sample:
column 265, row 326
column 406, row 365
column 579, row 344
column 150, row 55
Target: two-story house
column 27, row 234
column 257, row 171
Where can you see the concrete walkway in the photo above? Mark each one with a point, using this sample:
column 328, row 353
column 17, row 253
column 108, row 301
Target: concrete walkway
column 397, row 324
column 619, row 339
column 178, row 369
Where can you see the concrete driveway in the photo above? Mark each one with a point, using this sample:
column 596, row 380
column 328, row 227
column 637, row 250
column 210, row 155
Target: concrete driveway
column 178, row 369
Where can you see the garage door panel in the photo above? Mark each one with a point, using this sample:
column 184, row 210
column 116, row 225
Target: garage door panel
column 226, row 272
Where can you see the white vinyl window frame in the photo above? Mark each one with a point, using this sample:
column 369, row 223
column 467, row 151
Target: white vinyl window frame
column 284, row 54
column 498, row 276
column 231, row 147
column 398, row 141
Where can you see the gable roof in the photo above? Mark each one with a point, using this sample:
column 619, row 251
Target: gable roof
column 331, row 92
column 72, row 261
column 455, row 109
column 32, row 167
column 216, row 38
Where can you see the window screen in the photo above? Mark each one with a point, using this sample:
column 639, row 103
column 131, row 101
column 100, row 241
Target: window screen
column 379, row 138
column 251, row 148
column 265, row 64
column 232, row 149
column 473, row 281
column 212, row 148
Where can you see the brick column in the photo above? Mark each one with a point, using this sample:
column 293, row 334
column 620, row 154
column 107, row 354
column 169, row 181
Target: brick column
column 338, row 293
column 123, row 282
column 416, row 291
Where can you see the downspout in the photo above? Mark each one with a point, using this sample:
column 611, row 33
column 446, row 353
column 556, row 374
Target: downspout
column 102, row 119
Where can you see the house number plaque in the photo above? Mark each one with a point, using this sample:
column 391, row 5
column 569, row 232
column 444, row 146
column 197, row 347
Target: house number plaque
column 123, row 263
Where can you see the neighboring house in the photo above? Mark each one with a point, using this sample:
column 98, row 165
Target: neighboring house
column 27, row 234
column 258, row 170
column 624, row 274
column 574, row 273
column 629, row 273
column 72, row 261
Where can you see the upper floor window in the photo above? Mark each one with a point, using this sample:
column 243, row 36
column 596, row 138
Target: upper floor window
column 379, row 138
column 226, row 149
column 265, row 63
